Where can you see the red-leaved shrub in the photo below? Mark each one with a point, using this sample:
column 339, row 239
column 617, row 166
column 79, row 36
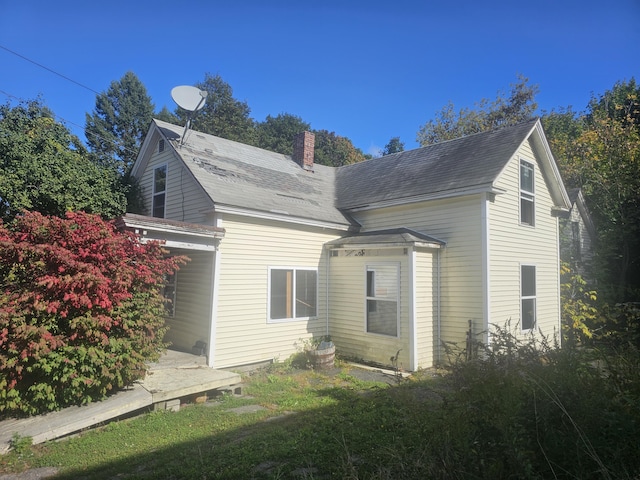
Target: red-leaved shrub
column 81, row 310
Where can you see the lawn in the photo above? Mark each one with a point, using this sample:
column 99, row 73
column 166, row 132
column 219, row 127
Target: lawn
column 528, row 417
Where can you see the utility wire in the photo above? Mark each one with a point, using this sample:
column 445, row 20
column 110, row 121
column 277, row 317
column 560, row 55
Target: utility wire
column 49, row 69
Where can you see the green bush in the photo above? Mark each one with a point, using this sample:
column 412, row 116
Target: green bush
column 81, row 310
column 527, row 409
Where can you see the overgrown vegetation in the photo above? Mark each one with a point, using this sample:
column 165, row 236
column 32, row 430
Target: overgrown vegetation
column 524, row 409
column 81, row 310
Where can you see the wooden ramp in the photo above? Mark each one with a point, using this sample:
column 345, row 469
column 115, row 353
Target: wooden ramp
column 177, row 375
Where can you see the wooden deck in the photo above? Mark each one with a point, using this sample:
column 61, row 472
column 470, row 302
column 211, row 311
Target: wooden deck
column 177, row 375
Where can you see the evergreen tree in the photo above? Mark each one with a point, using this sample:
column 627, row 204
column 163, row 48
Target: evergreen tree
column 116, row 128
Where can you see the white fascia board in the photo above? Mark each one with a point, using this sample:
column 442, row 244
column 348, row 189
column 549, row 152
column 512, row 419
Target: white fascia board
column 144, row 228
column 485, row 188
column 181, row 245
column 550, row 163
column 282, row 217
column 353, row 246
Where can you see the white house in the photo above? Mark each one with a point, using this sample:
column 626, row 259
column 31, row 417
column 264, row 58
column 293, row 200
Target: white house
column 397, row 253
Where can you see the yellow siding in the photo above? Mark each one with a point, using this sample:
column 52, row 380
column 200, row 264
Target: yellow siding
column 193, row 301
column 249, row 248
column 457, row 221
column 185, row 200
column 512, row 244
column 426, row 304
column 347, row 310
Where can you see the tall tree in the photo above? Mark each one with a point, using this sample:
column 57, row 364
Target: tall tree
column 334, row 150
column 507, row 109
column 222, row 115
column 394, row 146
column 277, row 133
column 43, row 167
column 599, row 151
column 120, row 120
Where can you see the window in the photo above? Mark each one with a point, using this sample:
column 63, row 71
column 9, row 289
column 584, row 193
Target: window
column 528, row 296
column 170, row 295
column 382, row 299
column 159, row 191
column 292, row 293
column 575, row 237
column 527, row 194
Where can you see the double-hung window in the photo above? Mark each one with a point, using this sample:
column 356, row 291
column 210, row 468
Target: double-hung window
column 528, row 296
column 159, row 191
column 382, row 299
column 293, row 293
column 527, row 194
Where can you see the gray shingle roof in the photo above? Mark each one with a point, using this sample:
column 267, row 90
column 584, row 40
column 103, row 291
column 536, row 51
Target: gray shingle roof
column 391, row 237
column 242, row 176
column 464, row 163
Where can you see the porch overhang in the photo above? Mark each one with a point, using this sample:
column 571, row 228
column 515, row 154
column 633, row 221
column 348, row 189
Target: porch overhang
column 172, row 233
column 398, row 237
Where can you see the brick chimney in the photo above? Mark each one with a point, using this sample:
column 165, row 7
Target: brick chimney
column 303, row 147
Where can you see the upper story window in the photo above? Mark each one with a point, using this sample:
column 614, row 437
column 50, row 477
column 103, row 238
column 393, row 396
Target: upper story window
column 293, row 293
column 527, row 194
column 159, row 191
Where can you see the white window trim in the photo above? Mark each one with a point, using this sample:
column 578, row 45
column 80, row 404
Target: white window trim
column 526, row 194
column 153, row 187
column 294, row 318
column 397, row 300
column 534, row 297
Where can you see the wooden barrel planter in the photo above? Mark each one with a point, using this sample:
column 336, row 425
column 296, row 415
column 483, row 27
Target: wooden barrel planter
column 323, row 356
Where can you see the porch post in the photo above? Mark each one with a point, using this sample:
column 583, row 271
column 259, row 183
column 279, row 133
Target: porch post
column 215, row 282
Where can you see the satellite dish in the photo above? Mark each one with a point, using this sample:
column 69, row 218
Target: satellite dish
column 190, row 99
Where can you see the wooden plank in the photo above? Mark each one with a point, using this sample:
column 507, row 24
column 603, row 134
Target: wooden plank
column 73, row 419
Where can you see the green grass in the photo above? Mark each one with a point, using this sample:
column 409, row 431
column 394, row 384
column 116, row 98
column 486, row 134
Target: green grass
column 528, row 414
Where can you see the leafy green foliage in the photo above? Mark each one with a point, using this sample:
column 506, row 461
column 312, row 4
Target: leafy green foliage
column 222, row 115
column 81, row 310
column 394, row 146
column 120, row 120
column 277, row 133
column 334, row 150
column 43, row 167
column 599, row 151
column 579, row 313
column 518, row 106
column 526, row 411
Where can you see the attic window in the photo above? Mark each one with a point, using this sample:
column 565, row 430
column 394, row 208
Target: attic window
column 161, row 146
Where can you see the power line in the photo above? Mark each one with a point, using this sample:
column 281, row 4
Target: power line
column 49, row 69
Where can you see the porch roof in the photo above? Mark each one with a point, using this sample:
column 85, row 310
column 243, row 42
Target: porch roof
column 387, row 238
column 174, row 234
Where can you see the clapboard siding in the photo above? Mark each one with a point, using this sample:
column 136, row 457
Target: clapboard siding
column 193, row 301
column 456, row 221
column 347, row 317
column 185, row 199
column 426, row 303
column 512, row 245
column 249, row 248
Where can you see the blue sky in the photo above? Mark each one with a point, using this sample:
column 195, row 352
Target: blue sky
column 368, row 70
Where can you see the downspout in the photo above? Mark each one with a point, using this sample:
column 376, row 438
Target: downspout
column 559, row 334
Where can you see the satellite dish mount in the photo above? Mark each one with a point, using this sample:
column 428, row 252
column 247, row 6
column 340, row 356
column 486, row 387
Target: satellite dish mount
column 190, row 99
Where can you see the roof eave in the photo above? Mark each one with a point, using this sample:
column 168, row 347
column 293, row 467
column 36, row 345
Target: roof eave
column 484, row 188
column 278, row 216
